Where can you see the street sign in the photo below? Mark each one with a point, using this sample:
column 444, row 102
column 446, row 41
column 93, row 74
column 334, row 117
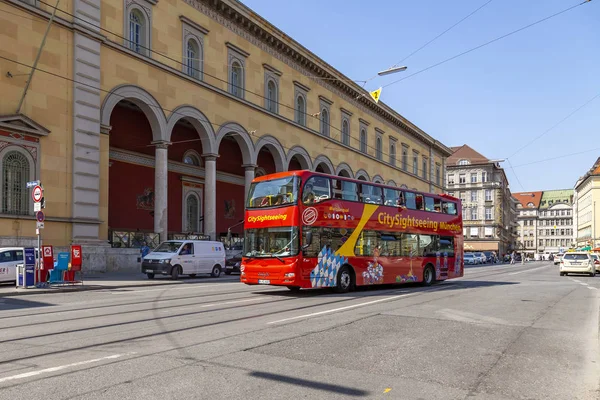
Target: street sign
column 39, row 225
column 37, row 194
column 32, row 184
column 37, row 207
column 375, row 94
column 40, row 216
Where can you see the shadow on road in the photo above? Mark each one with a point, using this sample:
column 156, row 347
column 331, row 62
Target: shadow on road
column 449, row 285
column 328, row 387
column 8, row 303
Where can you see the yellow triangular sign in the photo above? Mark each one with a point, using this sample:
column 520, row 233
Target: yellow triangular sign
column 375, row 94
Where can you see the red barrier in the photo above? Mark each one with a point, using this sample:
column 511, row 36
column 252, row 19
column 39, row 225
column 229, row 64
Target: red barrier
column 48, row 258
column 76, row 258
column 69, row 276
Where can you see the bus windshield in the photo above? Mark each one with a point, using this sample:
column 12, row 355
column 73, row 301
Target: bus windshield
column 271, row 242
column 283, row 191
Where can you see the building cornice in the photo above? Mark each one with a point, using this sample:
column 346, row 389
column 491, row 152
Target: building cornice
column 243, row 21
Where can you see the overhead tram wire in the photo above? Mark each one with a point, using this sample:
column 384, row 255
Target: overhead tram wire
column 261, row 96
column 435, row 38
column 558, row 157
column 486, row 44
column 557, row 124
column 419, row 170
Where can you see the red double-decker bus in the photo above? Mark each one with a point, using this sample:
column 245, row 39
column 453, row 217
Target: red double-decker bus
column 305, row 229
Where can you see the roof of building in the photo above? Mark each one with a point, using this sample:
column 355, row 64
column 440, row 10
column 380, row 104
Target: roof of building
column 322, row 72
column 551, row 197
column 525, row 198
column 465, row 152
column 594, row 171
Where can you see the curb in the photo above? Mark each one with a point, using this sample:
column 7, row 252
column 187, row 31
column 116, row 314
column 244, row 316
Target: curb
column 85, row 288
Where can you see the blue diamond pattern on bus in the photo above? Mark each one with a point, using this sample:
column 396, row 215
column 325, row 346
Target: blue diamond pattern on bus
column 325, row 273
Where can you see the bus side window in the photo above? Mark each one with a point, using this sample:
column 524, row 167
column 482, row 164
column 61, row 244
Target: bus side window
column 410, row 200
column 429, row 204
column 370, row 194
column 450, row 208
column 349, row 191
column 316, row 189
column 437, row 205
column 419, row 202
column 447, row 245
column 391, row 197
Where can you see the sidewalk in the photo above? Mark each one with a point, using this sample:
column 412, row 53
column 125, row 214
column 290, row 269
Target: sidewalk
column 114, row 280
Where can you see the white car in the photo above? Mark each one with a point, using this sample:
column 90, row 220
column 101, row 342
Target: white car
column 9, row 258
column 189, row 257
column 557, row 258
column 596, row 259
column 577, row 263
column 482, row 257
column 470, row 259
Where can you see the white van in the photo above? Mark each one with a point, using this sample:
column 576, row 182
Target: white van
column 10, row 257
column 185, row 257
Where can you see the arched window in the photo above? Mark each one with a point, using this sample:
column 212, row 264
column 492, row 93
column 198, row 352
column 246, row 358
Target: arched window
column 192, row 212
column 137, row 31
column 345, row 133
column 272, row 96
column 15, row 174
column 192, row 62
column 393, row 154
column 378, row 152
column 300, row 110
column 191, row 159
column 464, row 162
column 363, row 140
column 237, row 82
column 324, row 122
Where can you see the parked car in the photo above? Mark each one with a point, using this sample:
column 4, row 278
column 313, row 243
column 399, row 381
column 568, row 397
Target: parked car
column 10, row 257
column 596, row 259
column 189, row 257
column 577, row 263
column 557, row 258
column 233, row 265
column 482, row 257
column 490, row 256
column 470, row 259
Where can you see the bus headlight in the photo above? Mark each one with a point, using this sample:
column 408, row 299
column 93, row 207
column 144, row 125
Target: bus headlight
column 289, row 275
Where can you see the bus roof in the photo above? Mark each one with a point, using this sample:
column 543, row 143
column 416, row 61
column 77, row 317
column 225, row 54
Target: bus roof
column 306, row 172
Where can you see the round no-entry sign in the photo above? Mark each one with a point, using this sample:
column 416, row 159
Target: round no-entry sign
column 37, row 194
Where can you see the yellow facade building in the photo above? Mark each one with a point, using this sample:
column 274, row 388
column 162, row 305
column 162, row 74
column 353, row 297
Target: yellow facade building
column 147, row 119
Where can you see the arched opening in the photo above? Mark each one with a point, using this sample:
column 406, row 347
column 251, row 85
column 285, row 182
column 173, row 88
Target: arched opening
column 131, row 177
column 298, row 159
column 362, row 178
column 235, row 150
column 344, row 174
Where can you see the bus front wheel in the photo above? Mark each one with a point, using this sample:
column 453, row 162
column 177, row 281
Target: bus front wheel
column 345, row 280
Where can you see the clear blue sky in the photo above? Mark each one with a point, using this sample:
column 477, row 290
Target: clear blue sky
column 495, row 99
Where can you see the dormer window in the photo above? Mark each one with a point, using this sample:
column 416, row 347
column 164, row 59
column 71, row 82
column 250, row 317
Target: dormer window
column 464, row 162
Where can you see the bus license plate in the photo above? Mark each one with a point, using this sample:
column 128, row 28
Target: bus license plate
column 264, row 281
column 149, row 271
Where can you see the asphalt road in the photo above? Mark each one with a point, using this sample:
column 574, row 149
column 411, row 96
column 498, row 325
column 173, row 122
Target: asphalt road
column 501, row 332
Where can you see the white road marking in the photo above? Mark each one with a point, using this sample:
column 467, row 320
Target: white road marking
column 583, row 284
column 341, row 308
column 61, row 367
column 528, row 270
column 592, row 288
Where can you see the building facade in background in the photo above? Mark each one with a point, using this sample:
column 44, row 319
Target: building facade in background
column 489, row 210
column 148, row 119
column 587, row 198
column 527, row 219
column 555, row 225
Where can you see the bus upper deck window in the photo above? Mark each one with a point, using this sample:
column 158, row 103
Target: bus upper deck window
column 411, row 201
column 449, row 208
column 419, row 202
column 316, row 189
column 429, row 204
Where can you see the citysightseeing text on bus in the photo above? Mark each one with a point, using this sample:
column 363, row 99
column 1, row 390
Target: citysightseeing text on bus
column 392, row 221
column 263, row 218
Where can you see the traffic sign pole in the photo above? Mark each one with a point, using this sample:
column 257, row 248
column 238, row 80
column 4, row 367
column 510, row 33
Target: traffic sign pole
column 37, row 194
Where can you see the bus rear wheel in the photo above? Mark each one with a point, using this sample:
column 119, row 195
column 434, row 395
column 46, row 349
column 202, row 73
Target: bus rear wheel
column 345, row 280
column 428, row 275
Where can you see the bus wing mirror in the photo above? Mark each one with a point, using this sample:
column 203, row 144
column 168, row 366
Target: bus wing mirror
column 308, row 242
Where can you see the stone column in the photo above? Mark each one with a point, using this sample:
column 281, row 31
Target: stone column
column 249, row 176
column 210, row 195
column 161, row 165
